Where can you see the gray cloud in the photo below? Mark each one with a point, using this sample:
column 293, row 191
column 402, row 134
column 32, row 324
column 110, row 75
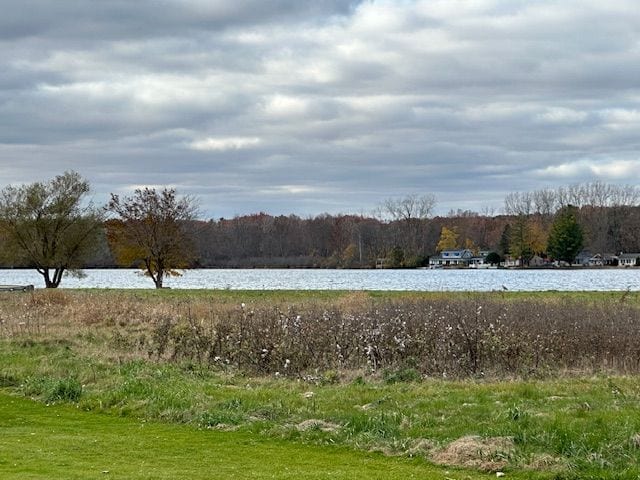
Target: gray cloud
column 305, row 107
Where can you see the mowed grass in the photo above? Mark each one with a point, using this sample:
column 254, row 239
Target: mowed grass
column 62, row 442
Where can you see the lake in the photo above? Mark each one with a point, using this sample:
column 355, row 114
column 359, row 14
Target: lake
column 305, row 279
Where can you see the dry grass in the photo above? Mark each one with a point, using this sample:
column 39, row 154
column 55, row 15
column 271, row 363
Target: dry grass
column 404, row 338
column 487, row 454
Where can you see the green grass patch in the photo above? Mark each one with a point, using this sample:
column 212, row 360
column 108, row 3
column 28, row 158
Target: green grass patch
column 61, row 442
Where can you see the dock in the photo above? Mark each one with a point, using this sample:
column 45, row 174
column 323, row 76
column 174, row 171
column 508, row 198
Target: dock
column 16, row 288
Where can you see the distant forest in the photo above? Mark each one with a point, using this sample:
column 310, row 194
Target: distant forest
column 405, row 234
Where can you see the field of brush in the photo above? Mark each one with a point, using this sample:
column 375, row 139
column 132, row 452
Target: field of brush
column 540, row 385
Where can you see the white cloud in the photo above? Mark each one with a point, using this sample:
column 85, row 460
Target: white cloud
column 621, row 118
column 290, row 190
column 286, row 106
column 628, row 170
column 559, row 115
column 605, row 170
column 563, row 170
column 224, row 144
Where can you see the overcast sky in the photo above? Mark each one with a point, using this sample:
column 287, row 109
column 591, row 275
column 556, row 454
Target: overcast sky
column 292, row 106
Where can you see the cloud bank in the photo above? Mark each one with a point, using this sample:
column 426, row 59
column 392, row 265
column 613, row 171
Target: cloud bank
column 325, row 106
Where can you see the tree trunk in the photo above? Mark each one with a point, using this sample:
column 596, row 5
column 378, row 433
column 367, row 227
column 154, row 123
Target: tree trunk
column 51, row 282
column 158, row 279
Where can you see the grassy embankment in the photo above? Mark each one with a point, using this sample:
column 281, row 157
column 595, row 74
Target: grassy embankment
column 555, row 415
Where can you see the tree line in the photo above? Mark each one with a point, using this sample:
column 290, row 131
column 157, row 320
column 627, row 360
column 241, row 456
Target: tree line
column 53, row 228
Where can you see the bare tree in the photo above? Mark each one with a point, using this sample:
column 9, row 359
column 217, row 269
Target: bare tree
column 409, row 213
column 49, row 226
column 545, row 202
column 410, row 207
column 152, row 231
column 519, row 203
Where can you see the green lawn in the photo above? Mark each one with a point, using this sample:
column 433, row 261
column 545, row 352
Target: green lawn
column 62, row 442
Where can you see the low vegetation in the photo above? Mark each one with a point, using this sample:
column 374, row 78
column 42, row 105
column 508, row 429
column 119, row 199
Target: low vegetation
column 538, row 384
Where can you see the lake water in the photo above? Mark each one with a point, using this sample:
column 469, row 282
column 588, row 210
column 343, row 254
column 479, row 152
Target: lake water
column 408, row 280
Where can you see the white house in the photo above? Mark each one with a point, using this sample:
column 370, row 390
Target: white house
column 537, row 261
column 452, row 258
column 479, row 261
column 628, row 259
column 511, row 262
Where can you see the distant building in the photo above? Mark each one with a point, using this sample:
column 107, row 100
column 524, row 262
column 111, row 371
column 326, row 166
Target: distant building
column 510, row 261
column 537, row 261
column 586, row 259
column 381, row 263
column 479, row 261
column 452, row 258
column 628, row 259
column 583, row 258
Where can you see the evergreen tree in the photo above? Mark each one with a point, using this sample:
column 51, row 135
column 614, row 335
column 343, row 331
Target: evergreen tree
column 505, row 239
column 566, row 237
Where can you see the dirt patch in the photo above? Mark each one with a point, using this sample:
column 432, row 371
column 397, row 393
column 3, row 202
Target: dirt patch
column 488, row 454
column 314, row 423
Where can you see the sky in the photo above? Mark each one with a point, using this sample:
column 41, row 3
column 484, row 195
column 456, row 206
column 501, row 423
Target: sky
column 306, row 107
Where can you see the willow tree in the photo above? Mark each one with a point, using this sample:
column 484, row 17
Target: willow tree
column 151, row 231
column 49, row 226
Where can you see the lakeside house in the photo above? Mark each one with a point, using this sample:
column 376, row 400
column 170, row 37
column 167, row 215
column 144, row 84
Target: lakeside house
column 583, row 258
column 460, row 258
column 586, row 259
column 464, row 258
column 510, row 262
column 452, row 258
column 628, row 259
column 536, row 261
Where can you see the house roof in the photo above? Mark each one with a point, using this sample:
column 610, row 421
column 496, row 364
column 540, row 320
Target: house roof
column 464, row 253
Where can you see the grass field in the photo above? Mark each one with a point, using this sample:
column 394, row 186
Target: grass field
column 76, row 348
column 60, row 442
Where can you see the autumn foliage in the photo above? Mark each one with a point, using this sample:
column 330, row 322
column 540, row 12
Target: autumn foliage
column 151, row 232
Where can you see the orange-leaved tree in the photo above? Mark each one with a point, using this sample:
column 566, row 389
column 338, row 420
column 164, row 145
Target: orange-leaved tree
column 151, row 231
